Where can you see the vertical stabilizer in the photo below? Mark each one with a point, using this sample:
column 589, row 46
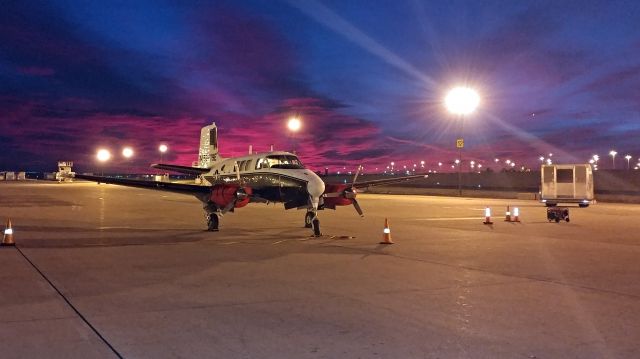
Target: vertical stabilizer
column 208, row 153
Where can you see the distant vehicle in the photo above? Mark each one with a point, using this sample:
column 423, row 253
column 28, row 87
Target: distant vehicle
column 571, row 183
column 275, row 176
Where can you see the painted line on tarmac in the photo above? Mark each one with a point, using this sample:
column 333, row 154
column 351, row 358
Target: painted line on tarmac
column 228, row 243
column 278, row 242
column 449, row 219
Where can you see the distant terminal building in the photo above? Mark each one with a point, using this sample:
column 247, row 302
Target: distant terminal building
column 65, row 171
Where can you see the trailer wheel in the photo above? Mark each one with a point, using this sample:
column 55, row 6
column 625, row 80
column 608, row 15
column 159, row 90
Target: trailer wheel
column 557, row 219
column 583, row 205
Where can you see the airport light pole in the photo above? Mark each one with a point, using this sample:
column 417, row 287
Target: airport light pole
column 613, row 158
column 461, row 101
column 294, row 125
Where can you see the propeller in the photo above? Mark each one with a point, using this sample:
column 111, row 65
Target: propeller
column 350, row 193
column 241, row 195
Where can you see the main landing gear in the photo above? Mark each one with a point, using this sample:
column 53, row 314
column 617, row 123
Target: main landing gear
column 211, row 215
column 212, row 222
column 311, row 221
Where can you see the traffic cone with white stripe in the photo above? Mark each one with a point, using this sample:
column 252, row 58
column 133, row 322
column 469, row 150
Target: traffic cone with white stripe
column 7, row 239
column 487, row 216
column 516, row 214
column 507, row 216
column 386, row 233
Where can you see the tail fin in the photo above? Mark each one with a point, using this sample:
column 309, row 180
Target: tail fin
column 208, row 153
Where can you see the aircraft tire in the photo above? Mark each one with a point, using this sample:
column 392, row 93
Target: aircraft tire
column 212, row 222
column 308, row 219
column 316, row 228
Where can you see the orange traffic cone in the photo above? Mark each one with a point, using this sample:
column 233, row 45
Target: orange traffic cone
column 516, row 214
column 487, row 216
column 507, row 216
column 7, row 239
column 386, row 233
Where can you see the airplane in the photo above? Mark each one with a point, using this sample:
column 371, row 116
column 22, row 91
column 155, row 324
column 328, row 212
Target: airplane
column 271, row 177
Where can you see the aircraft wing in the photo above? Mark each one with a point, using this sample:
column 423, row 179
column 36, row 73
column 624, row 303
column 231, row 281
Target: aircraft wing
column 182, row 188
column 386, row 181
column 181, row 169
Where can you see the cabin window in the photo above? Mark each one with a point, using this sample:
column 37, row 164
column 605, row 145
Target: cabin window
column 247, row 165
column 222, row 168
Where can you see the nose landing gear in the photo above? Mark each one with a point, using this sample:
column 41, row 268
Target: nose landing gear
column 311, row 221
column 316, row 228
column 308, row 219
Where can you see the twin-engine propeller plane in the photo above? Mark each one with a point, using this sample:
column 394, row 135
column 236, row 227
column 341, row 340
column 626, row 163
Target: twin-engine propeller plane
column 276, row 176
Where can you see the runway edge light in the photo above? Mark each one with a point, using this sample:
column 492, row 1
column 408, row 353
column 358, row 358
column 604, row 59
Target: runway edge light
column 7, row 239
column 386, row 233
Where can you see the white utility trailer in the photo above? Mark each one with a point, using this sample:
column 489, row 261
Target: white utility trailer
column 567, row 184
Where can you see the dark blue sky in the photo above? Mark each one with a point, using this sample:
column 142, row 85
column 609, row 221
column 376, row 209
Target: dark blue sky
column 368, row 79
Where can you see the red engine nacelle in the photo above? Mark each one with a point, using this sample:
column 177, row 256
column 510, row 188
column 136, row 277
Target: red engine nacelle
column 223, row 195
column 337, row 195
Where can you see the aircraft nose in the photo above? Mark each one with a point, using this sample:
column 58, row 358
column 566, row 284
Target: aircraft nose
column 315, row 186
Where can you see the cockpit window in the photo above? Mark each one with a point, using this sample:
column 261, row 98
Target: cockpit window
column 284, row 161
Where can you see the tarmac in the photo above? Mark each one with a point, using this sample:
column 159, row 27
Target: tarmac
column 102, row 271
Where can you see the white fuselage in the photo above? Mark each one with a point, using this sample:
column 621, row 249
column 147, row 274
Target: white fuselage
column 277, row 175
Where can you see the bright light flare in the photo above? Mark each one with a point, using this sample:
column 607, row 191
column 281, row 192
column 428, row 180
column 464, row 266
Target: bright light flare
column 462, row 101
column 163, row 148
column 103, row 155
column 294, row 124
column 127, row 152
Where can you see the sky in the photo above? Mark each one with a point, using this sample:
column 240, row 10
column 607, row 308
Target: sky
column 366, row 78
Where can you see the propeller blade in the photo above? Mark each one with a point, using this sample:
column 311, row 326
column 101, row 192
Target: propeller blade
column 356, row 205
column 357, row 174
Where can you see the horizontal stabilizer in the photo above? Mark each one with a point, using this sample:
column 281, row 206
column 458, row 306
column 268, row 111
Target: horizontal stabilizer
column 196, row 171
